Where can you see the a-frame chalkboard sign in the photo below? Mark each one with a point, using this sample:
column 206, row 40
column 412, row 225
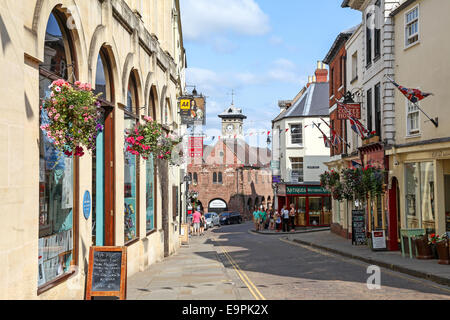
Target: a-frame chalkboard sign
column 107, row 274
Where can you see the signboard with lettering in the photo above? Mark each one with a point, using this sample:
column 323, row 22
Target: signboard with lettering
column 87, row 205
column 358, row 228
column 317, row 190
column 312, row 190
column 276, row 179
column 378, row 240
column 192, row 110
column 275, row 164
column 107, row 273
column 353, row 108
column 295, row 190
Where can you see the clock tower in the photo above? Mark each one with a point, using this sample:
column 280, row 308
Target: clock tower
column 232, row 123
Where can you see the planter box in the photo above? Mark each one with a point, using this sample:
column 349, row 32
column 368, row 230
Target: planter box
column 375, row 139
column 443, row 251
column 424, row 250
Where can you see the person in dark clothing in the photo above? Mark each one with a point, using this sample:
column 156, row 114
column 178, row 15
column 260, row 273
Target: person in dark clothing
column 292, row 218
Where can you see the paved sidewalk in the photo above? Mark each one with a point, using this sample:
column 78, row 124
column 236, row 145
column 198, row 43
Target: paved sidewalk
column 196, row 272
column 428, row 269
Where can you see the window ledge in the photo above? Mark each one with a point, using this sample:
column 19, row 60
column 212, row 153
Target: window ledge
column 131, row 242
column 354, row 79
column 413, row 135
column 378, row 57
column 55, row 282
column 368, row 65
column 411, row 45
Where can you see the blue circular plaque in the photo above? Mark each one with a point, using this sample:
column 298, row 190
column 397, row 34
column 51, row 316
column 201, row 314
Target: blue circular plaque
column 87, row 205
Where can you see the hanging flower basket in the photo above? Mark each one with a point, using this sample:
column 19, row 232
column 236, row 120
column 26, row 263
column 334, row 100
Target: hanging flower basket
column 74, row 117
column 149, row 139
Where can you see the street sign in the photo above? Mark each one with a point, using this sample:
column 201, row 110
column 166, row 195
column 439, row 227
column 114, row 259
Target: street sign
column 275, row 165
column 196, row 147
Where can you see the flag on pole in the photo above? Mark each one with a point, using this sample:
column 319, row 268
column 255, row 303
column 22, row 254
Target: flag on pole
column 334, row 138
column 355, row 124
column 413, row 95
column 326, row 141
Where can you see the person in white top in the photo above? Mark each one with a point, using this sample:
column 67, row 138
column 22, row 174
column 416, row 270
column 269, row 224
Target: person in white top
column 285, row 215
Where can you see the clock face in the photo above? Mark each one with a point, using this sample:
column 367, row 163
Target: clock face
column 230, row 128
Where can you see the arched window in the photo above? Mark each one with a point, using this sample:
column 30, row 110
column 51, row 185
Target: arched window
column 214, row 177
column 220, row 178
column 56, row 171
column 152, row 104
column 131, row 114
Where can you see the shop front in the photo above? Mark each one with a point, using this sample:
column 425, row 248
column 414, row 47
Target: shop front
column 424, row 187
column 382, row 209
column 312, row 204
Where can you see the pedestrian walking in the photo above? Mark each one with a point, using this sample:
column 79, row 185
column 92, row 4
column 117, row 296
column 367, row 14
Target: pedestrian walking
column 292, row 217
column 196, row 220
column 256, row 218
column 262, row 218
column 267, row 222
column 271, row 219
column 202, row 224
column 278, row 221
column 285, row 215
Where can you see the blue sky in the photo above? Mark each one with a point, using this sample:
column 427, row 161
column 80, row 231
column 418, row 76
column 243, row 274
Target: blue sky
column 264, row 50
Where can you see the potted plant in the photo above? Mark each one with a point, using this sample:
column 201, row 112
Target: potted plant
column 432, row 241
column 443, row 250
column 149, row 138
column 424, row 249
column 71, row 117
column 372, row 137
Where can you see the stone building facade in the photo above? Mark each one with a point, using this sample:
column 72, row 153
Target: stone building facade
column 232, row 174
column 132, row 52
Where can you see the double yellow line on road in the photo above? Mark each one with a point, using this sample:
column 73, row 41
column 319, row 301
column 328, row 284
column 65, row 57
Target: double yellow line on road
column 253, row 290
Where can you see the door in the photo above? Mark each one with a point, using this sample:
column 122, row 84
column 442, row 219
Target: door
column 103, row 184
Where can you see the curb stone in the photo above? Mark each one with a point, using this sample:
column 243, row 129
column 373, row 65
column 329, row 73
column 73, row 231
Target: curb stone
column 287, row 233
column 397, row 268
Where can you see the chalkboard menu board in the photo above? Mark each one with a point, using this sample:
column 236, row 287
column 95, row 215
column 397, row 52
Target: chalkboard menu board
column 358, row 227
column 107, row 272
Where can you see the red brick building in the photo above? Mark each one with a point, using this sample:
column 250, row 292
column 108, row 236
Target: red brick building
column 232, row 176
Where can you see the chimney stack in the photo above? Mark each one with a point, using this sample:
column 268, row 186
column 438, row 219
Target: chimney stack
column 321, row 74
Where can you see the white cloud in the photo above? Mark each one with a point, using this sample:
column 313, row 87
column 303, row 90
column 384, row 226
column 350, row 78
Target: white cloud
column 276, row 41
column 205, row 18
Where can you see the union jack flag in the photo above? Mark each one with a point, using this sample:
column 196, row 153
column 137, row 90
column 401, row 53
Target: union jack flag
column 335, row 138
column 413, row 95
column 355, row 124
column 326, row 141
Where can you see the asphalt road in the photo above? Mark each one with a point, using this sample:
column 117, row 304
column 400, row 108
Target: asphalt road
column 268, row 267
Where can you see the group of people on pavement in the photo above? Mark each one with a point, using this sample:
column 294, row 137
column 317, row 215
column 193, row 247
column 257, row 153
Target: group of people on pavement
column 269, row 219
column 198, row 222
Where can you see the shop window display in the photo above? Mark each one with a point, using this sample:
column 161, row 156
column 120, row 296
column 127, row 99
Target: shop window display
column 150, row 195
column 130, row 166
column 56, row 171
column 420, row 210
column 315, row 211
